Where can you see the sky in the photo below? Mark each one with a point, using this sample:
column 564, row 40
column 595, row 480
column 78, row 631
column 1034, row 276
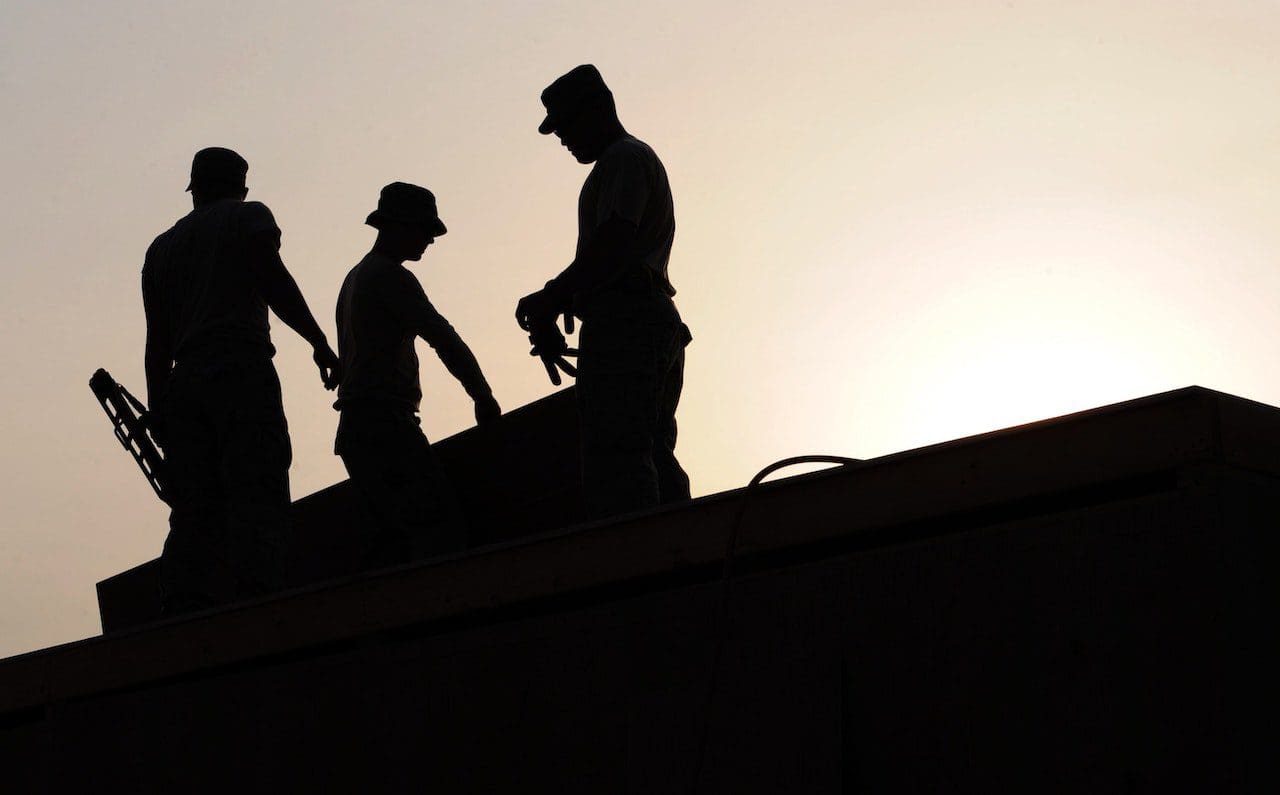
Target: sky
column 898, row 223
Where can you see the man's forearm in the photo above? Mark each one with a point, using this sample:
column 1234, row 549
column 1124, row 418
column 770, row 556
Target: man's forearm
column 582, row 274
column 285, row 299
column 295, row 314
column 610, row 252
column 463, row 365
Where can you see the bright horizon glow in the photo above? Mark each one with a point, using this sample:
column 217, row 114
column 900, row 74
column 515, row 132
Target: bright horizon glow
column 897, row 223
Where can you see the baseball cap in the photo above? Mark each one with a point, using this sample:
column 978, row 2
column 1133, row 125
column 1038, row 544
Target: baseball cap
column 218, row 166
column 566, row 95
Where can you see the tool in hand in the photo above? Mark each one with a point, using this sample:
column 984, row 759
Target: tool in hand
column 549, row 344
column 129, row 419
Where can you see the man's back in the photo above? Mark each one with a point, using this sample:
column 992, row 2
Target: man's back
column 196, row 274
column 375, row 338
column 629, row 182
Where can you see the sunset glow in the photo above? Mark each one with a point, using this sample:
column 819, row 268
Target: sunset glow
column 897, row 223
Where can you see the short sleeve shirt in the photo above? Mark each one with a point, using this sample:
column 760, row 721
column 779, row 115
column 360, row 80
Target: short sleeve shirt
column 629, row 182
column 381, row 310
column 198, row 283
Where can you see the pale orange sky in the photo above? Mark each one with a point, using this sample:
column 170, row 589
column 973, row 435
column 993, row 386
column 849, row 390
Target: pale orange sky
column 897, row 223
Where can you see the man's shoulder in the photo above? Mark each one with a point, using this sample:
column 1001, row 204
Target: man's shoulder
column 161, row 243
column 179, row 226
column 253, row 208
column 628, row 155
column 254, row 217
column 629, row 147
column 381, row 273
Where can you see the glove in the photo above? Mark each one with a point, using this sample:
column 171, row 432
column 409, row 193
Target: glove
column 549, row 344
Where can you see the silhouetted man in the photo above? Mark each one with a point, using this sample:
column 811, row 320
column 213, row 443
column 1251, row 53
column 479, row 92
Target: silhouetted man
column 213, row 390
column 631, row 346
column 382, row 309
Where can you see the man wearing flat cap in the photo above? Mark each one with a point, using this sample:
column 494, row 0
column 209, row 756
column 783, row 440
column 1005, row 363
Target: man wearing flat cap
column 382, row 310
column 631, row 345
column 214, row 395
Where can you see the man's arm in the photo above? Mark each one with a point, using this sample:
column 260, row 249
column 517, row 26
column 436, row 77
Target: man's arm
column 158, row 358
column 462, row 365
column 610, row 251
column 454, row 353
column 410, row 303
column 281, row 292
column 623, row 191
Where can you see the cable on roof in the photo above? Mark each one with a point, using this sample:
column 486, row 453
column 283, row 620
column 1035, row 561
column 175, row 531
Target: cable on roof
column 726, row 574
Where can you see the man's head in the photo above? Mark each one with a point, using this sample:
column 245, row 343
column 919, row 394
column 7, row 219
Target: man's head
column 217, row 173
column 407, row 221
column 580, row 111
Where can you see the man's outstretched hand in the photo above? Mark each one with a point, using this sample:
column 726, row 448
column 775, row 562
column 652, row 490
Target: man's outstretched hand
column 487, row 410
column 329, row 364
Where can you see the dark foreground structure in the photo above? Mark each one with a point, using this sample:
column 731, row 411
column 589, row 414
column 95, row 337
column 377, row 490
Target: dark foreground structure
column 1082, row 605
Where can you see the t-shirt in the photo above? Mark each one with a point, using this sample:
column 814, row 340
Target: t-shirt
column 381, row 310
column 198, row 286
column 628, row 181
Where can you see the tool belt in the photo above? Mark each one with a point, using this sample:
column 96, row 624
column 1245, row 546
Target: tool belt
column 635, row 289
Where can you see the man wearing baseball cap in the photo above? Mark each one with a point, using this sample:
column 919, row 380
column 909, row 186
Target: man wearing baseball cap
column 214, row 395
column 631, row 346
column 382, row 309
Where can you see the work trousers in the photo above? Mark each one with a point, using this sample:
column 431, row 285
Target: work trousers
column 227, row 457
column 404, row 488
column 630, row 375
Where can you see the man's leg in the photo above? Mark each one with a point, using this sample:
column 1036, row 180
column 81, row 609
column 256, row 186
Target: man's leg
column 254, row 470
column 193, row 566
column 391, row 464
column 618, row 366
column 383, row 543
column 435, row 513
column 673, row 482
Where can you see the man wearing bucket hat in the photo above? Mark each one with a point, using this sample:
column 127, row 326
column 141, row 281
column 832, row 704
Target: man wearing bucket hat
column 631, row 346
column 381, row 310
column 214, row 394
